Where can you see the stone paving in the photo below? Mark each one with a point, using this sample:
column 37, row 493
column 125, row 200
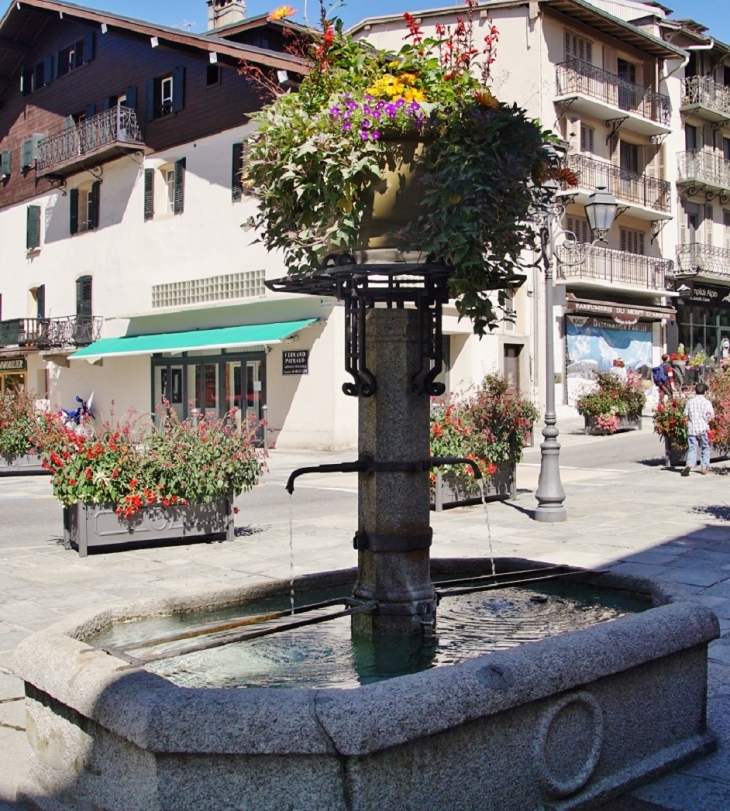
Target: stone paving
column 626, row 512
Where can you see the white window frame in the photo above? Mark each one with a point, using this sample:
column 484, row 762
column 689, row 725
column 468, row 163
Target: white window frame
column 166, row 94
column 168, row 176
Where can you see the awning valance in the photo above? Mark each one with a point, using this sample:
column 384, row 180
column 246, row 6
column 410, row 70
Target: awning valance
column 621, row 313
column 218, row 338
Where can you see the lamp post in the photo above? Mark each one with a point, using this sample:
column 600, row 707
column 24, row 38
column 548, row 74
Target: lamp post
column 600, row 210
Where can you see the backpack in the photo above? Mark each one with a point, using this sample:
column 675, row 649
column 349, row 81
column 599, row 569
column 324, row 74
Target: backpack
column 659, row 375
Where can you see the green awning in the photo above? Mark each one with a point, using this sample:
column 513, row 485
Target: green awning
column 218, row 338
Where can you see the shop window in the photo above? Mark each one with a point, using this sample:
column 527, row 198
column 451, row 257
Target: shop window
column 84, row 207
column 165, row 94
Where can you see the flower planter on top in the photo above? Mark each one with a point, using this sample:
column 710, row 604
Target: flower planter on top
column 87, row 526
column 675, row 455
column 21, row 465
column 624, row 424
column 451, row 491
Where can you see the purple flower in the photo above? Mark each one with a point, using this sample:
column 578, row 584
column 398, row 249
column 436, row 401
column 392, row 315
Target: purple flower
column 401, row 101
column 380, row 104
column 366, row 124
column 347, row 126
column 390, row 109
column 335, row 111
column 367, row 109
column 364, row 135
column 376, row 114
column 375, row 135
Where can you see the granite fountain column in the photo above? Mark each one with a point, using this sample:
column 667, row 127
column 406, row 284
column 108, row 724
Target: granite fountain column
column 394, row 535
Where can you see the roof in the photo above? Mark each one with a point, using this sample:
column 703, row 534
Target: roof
column 23, row 24
column 259, row 21
column 577, row 9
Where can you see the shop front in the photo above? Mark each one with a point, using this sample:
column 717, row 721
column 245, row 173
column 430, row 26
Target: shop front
column 703, row 319
column 598, row 333
column 13, row 372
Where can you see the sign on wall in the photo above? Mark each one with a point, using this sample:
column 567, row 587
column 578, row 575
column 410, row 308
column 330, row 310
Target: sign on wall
column 13, row 364
column 295, row 362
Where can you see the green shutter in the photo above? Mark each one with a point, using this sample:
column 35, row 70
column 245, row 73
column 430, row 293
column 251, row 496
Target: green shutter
column 6, row 162
column 90, row 110
column 47, row 70
column 179, row 201
column 89, row 47
column 40, row 300
column 33, row 231
column 236, row 176
column 83, row 296
column 26, row 154
column 178, row 89
column 73, row 197
column 131, row 97
column 149, row 194
column 94, row 195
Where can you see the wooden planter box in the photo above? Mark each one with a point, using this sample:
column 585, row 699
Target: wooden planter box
column 675, row 456
column 21, row 465
column 87, row 526
column 624, row 424
column 448, row 491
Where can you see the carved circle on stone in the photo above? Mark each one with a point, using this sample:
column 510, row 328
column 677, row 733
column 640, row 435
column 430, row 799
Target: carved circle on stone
column 568, row 745
column 158, row 523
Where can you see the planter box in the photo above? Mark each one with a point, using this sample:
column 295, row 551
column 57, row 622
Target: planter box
column 88, row 526
column 674, row 455
column 624, row 424
column 21, row 465
column 448, row 491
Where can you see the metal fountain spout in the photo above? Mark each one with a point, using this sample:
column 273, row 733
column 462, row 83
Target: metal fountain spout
column 367, row 465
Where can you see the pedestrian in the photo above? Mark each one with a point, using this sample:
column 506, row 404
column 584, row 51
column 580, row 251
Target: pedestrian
column 663, row 376
column 699, row 412
column 618, row 370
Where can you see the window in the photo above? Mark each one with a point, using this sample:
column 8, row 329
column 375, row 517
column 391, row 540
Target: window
column 33, row 78
column 726, row 148
column 6, row 163
column 33, row 228
column 77, row 55
column 165, row 94
column 632, row 241
column 690, row 137
column 578, row 48
column 170, row 182
column 169, row 175
column 213, row 75
column 586, row 137
column 237, row 173
column 29, row 151
column 84, row 207
column 630, row 157
column 83, row 296
column 578, row 226
column 38, row 296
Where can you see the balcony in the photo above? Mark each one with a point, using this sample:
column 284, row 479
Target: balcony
column 696, row 259
column 68, row 332
column 96, row 140
column 703, row 170
column 705, row 98
column 648, row 198
column 606, row 267
column 603, row 95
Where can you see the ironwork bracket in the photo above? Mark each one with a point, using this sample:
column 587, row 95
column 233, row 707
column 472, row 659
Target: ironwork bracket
column 657, row 226
column 614, row 125
column 57, row 183
column 563, row 107
column 658, row 140
column 621, row 210
column 96, row 172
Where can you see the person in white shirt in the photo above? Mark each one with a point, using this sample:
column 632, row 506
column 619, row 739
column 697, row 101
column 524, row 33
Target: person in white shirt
column 699, row 412
column 619, row 370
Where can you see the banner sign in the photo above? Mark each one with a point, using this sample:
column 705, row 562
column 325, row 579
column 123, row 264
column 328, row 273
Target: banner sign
column 13, row 364
column 295, row 362
column 703, row 295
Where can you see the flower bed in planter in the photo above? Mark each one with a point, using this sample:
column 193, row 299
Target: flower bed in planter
column 20, row 465
column 626, row 423
column 676, row 455
column 88, row 526
column 19, row 422
column 450, row 490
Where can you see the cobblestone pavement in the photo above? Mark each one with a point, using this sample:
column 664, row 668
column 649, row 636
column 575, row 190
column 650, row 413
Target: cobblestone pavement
column 625, row 511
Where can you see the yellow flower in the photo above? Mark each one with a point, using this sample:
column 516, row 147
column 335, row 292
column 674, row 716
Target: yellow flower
column 413, row 94
column 408, row 78
column 281, row 12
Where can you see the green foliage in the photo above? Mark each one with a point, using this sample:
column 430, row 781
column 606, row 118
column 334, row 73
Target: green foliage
column 670, row 422
column 137, row 464
column 18, row 423
column 612, row 398
column 317, row 154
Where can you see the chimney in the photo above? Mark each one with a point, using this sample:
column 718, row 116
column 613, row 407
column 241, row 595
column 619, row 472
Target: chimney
column 225, row 12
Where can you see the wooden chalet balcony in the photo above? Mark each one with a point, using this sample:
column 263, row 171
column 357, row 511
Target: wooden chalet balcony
column 67, row 332
column 649, row 198
column 695, row 258
column 606, row 96
column 101, row 138
column 704, row 170
column 705, row 98
column 604, row 267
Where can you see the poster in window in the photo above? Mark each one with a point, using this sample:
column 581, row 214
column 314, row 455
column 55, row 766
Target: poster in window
column 176, row 393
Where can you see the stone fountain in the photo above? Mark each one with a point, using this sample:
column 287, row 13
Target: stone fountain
column 558, row 724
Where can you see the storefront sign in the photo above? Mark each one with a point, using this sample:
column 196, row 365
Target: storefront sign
column 622, row 314
column 13, row 364
column 703, row 295
column 295, row 362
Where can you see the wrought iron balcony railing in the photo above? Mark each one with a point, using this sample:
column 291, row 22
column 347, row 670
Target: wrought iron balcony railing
column 616, row 267
column 642, row 190
column 114, row 127
column 576, row 76
column 703, row 167
column 50, row 333
column 695, row 257
column 706, row 92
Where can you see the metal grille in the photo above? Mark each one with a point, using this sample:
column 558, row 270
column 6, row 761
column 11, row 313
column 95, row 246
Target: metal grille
column 707, row 92
column 118, row 124
column 576, row 76
column 696, row 257
column 610, row 265
column 50, row 333
column 248, row 284
column 632, row 187
column 703, row 166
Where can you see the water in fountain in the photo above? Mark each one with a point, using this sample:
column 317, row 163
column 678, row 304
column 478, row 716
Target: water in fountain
column 480, row 482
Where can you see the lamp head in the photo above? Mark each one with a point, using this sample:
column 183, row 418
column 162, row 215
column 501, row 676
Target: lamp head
column 601, row 211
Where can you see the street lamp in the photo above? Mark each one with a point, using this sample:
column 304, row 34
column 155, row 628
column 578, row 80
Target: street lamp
column 601, row 211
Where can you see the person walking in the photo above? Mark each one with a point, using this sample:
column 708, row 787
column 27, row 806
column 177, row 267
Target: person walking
column 699, row 412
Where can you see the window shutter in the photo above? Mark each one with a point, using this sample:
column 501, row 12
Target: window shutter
column 624, row 239
column 26, row 154
column 83, row 296
column 94, row 195
column 6, row 162
column 708, row 225
column 26, row 82
column 236, row 169
column 90, row 110
column 40, row 301
column 131, row 97
column 149, row 194
column 73, row 197
column 89, row 46
column 568, row 49
column 708, row 138
column 105, row 104
column 589, row 52
column 179, row 191
column 149, row 114
column 47, row 70
column 615, row 151
column 640, row 247
column 62, row 63
column 178, row 89
column 586, row 138
column 33, row 231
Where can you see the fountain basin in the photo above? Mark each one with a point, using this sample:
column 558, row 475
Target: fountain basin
column 562, row 723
